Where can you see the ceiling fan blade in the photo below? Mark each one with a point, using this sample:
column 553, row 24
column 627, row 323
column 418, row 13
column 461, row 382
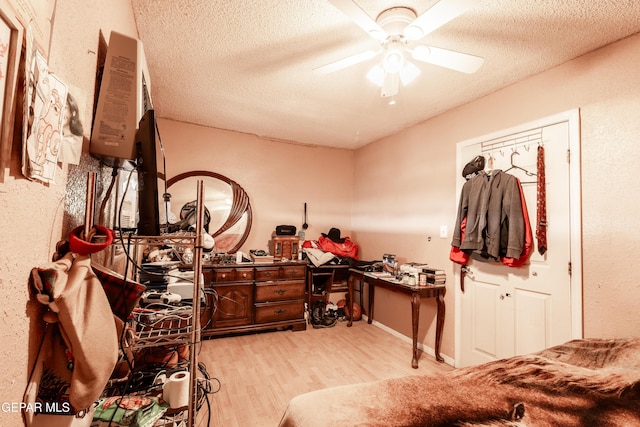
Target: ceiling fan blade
column 447, row 58
column 347, row 62
column 360, row 17
column 436, row 16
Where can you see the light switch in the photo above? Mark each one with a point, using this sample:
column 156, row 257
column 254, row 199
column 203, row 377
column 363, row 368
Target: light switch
column 443, row 231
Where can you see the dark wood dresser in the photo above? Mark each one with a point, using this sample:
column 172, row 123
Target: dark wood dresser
column 252, row 297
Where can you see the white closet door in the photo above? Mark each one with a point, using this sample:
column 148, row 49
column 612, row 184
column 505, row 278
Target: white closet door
column 506, row 311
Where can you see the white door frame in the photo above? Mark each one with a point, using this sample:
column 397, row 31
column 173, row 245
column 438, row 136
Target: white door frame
column 575, row 196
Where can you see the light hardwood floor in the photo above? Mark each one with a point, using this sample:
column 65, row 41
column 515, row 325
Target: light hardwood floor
column 260, row 373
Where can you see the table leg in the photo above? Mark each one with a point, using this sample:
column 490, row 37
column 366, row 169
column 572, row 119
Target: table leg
column 350, row 291
column 371, row 296
column 415, row 318
column 439, row 324
column 362, row 296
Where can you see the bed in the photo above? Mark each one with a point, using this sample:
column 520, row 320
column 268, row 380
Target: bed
column 589, row 382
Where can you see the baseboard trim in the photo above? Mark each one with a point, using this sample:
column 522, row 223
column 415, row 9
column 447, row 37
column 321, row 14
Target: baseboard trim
column 426, row 349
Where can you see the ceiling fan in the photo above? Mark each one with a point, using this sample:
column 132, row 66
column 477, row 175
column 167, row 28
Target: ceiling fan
column 399, row 29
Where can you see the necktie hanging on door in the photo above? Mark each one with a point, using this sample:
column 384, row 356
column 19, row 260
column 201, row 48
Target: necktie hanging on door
column 541, row 220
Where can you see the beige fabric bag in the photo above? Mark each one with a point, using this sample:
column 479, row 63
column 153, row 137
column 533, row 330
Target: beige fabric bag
column 80, row 346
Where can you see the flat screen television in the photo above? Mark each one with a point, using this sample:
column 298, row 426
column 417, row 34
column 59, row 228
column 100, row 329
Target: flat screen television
column 147, row 169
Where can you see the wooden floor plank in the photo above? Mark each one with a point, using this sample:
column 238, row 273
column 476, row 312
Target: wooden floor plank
column 259, row 373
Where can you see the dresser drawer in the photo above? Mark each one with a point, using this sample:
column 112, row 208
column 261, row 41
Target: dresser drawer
column 280, row 290
column 274, row 312
column 244, row 274
column 265, row 274
column 225, row 275
column 294, row 272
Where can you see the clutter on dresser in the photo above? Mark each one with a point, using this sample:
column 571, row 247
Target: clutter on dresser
column 260, row 256
column 242, row 257
column 285, row 230
column 284, row 247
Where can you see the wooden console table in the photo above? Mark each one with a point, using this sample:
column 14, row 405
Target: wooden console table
column 416, row 292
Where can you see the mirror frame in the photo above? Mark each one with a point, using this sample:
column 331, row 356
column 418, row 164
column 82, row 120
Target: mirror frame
column 233, row 184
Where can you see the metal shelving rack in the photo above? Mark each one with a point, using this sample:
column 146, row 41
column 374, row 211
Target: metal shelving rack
column 182, row 325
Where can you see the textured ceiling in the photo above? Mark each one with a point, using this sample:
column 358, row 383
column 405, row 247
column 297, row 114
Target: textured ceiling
column 248, row 66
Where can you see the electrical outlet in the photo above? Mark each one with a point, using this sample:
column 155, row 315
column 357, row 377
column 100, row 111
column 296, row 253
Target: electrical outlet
column 443, row 231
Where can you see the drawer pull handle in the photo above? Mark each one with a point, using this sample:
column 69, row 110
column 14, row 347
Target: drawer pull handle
column 268, row 274
column 244, row 275
column 223, row 276
column 280, row 311
column 281, row 291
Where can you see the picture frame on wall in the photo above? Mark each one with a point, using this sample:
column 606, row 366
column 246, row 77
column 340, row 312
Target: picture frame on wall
column 11, row 34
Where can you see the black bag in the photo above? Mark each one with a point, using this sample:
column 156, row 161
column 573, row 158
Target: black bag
column 286, row 230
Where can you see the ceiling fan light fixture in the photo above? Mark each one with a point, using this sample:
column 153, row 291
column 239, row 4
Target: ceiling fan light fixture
column 393, row 61
column 409, row 73
column 376, row 75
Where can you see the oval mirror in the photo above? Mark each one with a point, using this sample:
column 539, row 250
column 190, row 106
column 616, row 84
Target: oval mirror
column 225, row 200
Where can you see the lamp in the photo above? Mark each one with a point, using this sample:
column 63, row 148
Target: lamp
column 393, row 61
column 393, row 69
column 389, row 81
column 408, row 73
column 376, row 75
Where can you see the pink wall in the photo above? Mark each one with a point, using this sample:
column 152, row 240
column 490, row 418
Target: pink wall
column 33, row 214
column 419, row 193
column 278, row 177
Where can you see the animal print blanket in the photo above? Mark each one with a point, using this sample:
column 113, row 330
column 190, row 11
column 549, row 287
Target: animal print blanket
column 591, row 382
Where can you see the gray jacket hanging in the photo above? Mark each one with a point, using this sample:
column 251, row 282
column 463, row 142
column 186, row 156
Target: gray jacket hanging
column 495, row 225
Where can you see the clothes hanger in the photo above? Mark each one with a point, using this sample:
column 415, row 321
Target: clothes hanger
column 514, row 166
